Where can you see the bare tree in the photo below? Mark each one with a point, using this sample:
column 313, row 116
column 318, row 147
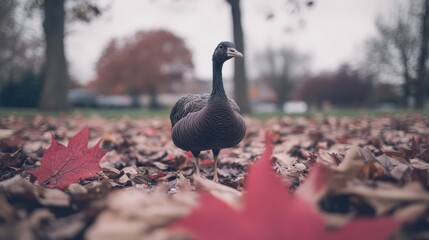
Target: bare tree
column 240, row 79
column 56, row 82
column 54, row 94
column 400, row 50
column 423, row 55
column 281, row 69
column 8, row 36
column 20, row 52
column 344, row 87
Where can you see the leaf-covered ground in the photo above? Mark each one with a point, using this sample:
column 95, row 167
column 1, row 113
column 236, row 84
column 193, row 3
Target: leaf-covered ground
column 378, row 167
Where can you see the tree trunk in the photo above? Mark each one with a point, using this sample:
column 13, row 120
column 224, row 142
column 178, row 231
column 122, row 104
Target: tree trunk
column 421, row 68
column 240, row 80
column 282, row 89
column 406, row 87
column 281, row 99
column 54, row 93
column 153, row 97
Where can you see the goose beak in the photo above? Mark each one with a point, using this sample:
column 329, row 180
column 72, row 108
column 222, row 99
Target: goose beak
column 232, row 52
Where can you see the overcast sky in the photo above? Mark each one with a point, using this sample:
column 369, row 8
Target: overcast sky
column 332, row 32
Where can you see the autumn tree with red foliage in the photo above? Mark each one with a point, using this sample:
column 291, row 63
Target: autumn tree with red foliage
column 140, row 63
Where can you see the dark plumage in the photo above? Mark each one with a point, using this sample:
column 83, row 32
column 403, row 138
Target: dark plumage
column 209, row 121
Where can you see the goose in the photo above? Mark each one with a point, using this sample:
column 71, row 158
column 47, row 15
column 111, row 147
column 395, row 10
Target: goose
column 209, row 121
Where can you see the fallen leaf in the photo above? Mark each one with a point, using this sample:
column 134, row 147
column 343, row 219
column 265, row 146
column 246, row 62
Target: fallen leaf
column 7, row 213
column 352, row 162
column 66, row 228
column 206, row 162
column 419, row 164
column 11, row 160
column 401, row 172
column 411, row 213
column 63, row 165
column 19, row 188
column 158, row 175
column 5, row 133
column 222, row 192
column 411, row 192
column 133, row 214
column 372, row 169
column 297, row 160
column 271, row 212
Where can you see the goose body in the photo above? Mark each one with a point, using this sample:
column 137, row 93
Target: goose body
column 209, row 121
column 202, row 126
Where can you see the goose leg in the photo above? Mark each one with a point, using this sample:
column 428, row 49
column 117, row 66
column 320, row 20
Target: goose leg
column 215, row 160
column 197, row 162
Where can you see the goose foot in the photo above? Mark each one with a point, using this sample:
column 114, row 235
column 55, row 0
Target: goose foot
column 197, row 166
column 215, row 161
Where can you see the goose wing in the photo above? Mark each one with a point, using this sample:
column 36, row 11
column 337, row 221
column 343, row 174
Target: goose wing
column 193, row 103
column 188, row 104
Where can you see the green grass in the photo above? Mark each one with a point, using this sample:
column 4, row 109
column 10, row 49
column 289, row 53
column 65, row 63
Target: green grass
column 136, row 113
column 367, row 112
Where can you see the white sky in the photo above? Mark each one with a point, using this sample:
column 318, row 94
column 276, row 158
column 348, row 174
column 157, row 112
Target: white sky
column 333, row 31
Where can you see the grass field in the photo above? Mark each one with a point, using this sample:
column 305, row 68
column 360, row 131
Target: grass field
column 136, row 113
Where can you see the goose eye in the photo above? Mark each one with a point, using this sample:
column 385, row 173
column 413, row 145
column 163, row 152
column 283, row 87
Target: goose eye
column 221, row 46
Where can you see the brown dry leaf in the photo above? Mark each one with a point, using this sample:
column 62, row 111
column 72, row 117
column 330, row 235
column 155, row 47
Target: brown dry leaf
column 416, row 163
column 25, row 228
column 134, row 214
column 284, row 159
column 411, row 213
column 227, row 194
column 352, row 162
column 366, row 155
column 386, row 196
column 325, row 156
column 77, row 189
column 20, row 188
column 401, row 172
column 39, row 216
column 142, row 156
column 372, row 169
column 53, row 197
column 386, row 162
column 7, row 212
column 5, row 133
column 13, row 160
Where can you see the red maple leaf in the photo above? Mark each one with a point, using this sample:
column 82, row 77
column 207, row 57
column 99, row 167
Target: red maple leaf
column 271, row 212
column 63, row 165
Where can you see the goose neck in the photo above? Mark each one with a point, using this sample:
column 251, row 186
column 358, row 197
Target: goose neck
column 217, row 88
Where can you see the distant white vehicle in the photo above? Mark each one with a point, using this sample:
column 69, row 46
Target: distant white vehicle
column 264, row 107
column 82, row 98
column 113, row 101
column 295, row 107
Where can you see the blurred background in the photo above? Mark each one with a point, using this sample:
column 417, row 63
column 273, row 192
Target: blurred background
column 299, row 55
